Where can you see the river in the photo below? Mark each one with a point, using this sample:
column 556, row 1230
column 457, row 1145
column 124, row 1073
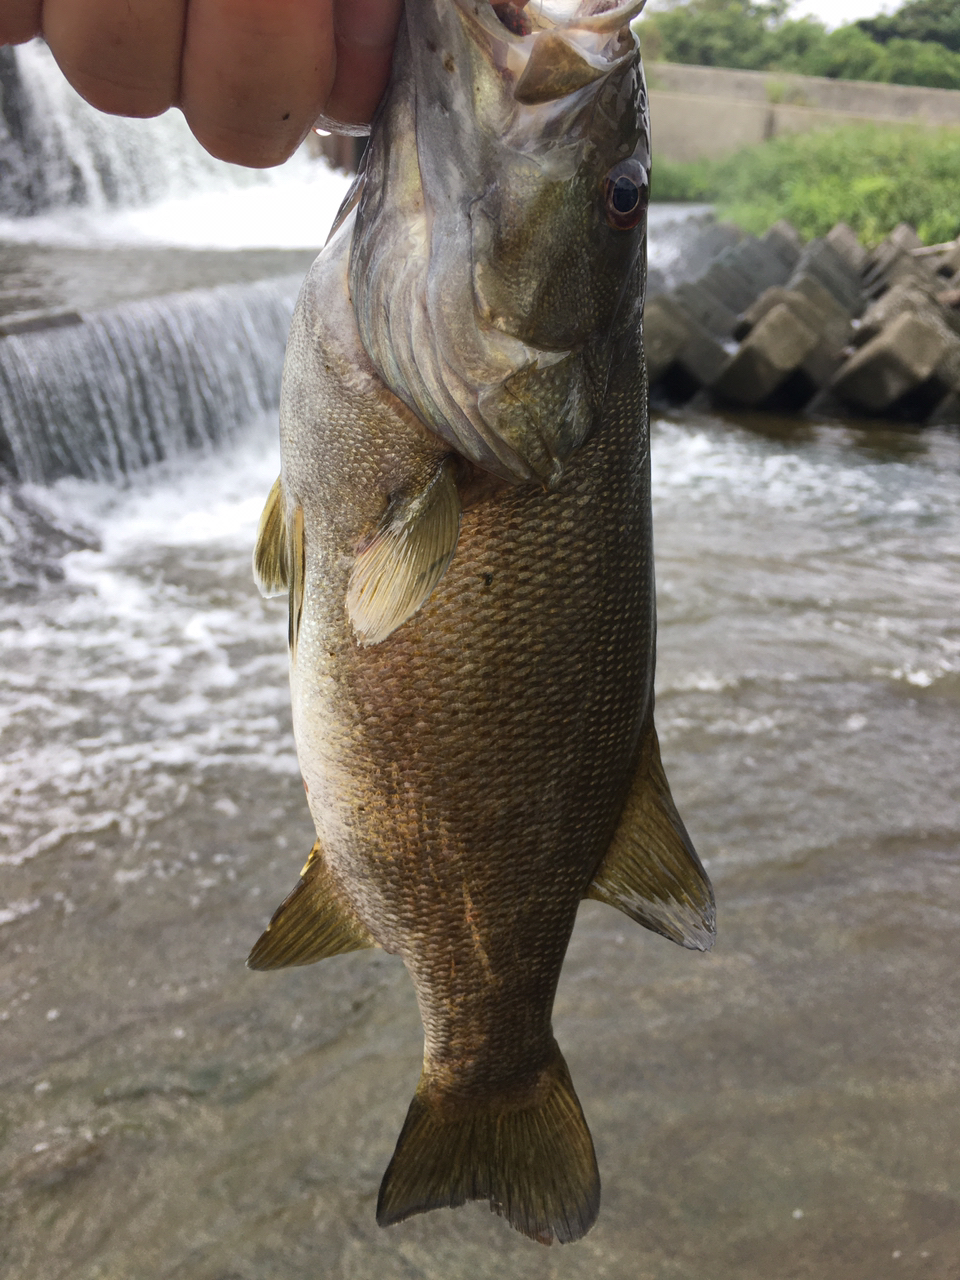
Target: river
column 784, row 1108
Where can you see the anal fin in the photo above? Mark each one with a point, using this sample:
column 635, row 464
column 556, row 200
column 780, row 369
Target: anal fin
column 312, row 923
column 406, row 557
column 651, row 871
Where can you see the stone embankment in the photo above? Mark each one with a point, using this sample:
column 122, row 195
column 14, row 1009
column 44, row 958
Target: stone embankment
column 826, row 327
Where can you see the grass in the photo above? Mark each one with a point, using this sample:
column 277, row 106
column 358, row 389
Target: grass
column 870, row 176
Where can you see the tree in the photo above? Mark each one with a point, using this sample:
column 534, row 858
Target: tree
column 760, row 37
column 937, row 21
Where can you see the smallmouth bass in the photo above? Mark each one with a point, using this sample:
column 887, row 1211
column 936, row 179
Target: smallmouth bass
column 462, row 523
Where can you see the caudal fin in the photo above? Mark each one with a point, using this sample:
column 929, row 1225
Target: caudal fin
column 535, row 1163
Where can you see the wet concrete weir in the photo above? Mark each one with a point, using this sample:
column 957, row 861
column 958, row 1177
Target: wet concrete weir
column 204, row 329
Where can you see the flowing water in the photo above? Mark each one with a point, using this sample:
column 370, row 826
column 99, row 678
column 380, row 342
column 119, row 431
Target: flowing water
column 784, row 1108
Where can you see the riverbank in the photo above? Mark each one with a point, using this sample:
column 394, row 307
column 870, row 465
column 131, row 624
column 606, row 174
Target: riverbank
column 712, row 112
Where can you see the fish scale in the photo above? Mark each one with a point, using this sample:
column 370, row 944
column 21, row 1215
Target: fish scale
column 472, row 651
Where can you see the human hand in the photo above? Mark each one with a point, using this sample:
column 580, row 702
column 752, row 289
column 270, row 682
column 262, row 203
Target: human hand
column 251, row 76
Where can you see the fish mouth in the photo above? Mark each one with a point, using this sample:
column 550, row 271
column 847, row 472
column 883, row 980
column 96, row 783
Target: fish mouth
column 503, row 114
column 551, row 48
column 523, row 17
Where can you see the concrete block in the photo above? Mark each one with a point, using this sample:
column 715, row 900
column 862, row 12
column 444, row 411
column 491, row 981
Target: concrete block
column 836, row 325
column 769, row 299
column 917, row 297
column 947, row 412
column 844, row 240
column 948, row 370
column 761, row 266
column 728, row 284
column 891, row 256
column 773, row 350
column 813, row 304
column 705, row 247
column 906, row 269
column 894, row 364
column 706, row 308
column 904, row 237
column 814, row 375
column 681, row 356
column 824, row 263
column 785, row 241
column 949, row 264
column 664, row 334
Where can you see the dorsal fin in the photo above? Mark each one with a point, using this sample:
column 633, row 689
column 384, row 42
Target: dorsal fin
column 406, row 557
column 271, row 559
column 311, row 923
column 651, row 871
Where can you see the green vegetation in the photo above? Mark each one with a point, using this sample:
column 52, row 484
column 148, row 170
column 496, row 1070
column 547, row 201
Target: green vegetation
column 870, row 176
column 918, row 45
column 937, row 20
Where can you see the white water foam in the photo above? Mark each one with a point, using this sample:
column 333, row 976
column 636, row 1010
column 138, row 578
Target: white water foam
column 154, row 661
column 150, row 181
column 292, row 207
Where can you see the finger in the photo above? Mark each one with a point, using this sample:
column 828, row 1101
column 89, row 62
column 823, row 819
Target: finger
column 123, row 58
column 19, row 21
column 365, row 35
column 255, row 75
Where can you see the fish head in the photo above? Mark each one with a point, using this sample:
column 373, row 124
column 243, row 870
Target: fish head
column 499, row 246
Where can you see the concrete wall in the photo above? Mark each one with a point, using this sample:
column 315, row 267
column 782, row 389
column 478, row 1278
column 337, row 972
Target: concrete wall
column 711, row 111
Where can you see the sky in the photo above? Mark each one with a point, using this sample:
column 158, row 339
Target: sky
column 836, row 12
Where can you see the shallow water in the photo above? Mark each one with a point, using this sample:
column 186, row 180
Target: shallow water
column 785, row 1107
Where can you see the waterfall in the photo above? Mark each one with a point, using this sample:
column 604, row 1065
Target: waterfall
column 57, row 151
column 126, row 387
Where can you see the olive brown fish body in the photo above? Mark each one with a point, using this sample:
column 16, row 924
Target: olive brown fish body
column 472, row 613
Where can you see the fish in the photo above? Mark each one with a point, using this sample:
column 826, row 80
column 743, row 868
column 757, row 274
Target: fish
column 462, row 527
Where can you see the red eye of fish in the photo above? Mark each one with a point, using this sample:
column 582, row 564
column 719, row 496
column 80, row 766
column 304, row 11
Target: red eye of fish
column 626, row 193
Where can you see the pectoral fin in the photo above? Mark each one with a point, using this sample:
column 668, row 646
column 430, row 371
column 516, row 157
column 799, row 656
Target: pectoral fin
column 406, row 558
column 311, row 923
column 651, row 871
column 271, row 557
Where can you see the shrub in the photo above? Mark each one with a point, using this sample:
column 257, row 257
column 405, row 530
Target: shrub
column 870, row 176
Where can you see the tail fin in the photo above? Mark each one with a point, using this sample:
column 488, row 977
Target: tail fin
column 535, row 1163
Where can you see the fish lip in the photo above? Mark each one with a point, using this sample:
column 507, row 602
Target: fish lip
column 611, row 18
column 590, row 39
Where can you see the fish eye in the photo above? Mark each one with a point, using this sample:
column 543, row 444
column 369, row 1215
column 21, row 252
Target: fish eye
column 626, row 193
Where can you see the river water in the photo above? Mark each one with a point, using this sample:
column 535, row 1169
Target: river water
column 784, row 1108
